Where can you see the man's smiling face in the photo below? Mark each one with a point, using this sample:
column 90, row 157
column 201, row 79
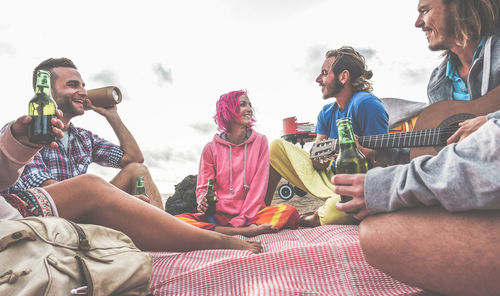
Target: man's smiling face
column 68, row 91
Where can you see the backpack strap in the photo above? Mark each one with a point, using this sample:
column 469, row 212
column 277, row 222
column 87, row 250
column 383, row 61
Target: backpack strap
column 15, row 237
column 83, row 242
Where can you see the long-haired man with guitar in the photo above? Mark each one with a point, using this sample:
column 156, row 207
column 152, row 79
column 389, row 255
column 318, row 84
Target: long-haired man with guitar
column 441, row 227
column 468, row 33
column 345, row 77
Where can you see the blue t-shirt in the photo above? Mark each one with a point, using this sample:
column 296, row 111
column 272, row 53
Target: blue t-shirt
column 460, row 90
column 368, row 116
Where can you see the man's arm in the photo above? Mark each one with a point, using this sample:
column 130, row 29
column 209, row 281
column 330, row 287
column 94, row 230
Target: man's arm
column 131, row 151
column 323, row 131
column 461, row 177
column 16, row 150
column 375, row 122
column 13, row 156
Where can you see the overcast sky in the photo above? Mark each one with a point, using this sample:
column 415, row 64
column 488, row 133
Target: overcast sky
column 173, row 59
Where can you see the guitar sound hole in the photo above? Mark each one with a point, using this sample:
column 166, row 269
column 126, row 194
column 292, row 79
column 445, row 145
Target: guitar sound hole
column 452, row 122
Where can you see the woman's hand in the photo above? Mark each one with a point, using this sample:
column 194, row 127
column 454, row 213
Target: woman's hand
column 202, row 205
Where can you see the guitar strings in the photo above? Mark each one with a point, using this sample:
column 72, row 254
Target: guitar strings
column 446, row 131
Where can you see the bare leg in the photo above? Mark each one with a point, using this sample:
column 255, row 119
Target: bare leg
column 251, row 230
column 90, row 199
column 309, row 219
column 449, row 253
column 125, row 180
column 274, row 179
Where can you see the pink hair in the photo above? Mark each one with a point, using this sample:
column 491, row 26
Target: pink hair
column 227, row 109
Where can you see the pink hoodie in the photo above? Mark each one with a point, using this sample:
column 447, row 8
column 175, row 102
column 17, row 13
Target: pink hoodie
column 241, row 174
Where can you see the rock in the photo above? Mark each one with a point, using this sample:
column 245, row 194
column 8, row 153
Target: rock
column 184, row 198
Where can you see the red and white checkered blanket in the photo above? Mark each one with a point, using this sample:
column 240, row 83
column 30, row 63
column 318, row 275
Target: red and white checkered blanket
column 325, row 260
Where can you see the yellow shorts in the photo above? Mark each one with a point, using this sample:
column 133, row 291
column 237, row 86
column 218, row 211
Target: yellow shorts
column 294, row 164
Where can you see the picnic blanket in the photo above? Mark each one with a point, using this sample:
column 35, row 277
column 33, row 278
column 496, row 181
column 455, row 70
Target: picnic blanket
column 325, row 260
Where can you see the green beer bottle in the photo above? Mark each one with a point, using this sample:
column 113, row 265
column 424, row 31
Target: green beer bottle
column 350, row 159
column 42, row 108
column 211, row 198
column 139, row 186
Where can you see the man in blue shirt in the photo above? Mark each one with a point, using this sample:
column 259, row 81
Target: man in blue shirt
column 345, row 77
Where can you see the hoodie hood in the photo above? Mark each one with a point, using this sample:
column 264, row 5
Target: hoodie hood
column 220, row 138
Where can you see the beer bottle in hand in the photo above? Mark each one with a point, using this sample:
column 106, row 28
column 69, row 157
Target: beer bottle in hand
column 139, row 186
column 211, row 198
column 350, row 159
column 42, row 108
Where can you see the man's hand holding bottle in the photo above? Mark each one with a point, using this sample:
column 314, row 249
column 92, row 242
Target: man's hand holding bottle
column 19, row 130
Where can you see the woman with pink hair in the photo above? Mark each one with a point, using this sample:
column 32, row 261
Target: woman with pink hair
column 238, row 160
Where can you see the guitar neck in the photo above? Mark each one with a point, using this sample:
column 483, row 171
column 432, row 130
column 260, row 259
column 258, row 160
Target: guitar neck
column 419, row 138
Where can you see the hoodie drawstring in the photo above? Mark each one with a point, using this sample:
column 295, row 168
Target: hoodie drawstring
column 245, row 171
column 245, row 185
column 231, row 168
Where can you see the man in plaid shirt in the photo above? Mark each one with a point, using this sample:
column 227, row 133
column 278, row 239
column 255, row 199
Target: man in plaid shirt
column 79, row 147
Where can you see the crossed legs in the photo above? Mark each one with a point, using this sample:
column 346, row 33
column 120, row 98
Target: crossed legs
column 449, row 253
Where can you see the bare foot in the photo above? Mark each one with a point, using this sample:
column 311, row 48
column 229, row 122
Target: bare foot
column 239, row 244
column 309, row 219
column 250, row 230
column 253, row 230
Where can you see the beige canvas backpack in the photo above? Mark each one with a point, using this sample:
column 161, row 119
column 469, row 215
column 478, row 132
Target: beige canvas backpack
column 52, row 256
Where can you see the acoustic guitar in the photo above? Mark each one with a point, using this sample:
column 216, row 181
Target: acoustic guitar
column 434, row 125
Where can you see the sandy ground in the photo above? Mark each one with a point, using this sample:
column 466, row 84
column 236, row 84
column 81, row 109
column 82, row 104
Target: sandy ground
column 307, row 203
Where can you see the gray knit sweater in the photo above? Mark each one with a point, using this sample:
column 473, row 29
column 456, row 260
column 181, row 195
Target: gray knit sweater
column 463, row 176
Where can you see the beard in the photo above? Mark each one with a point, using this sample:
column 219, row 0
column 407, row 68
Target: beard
column 448, row 32
column 65, row 104
column 333, row 89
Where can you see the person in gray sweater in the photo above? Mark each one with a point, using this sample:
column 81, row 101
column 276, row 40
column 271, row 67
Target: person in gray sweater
column 442, row 229
column 435, row 222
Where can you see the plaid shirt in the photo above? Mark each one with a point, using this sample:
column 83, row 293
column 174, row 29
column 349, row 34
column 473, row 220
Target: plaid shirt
column 58, row 164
